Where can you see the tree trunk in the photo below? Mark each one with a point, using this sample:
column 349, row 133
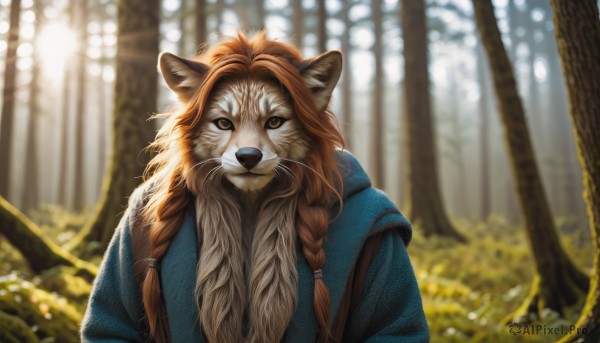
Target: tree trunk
column 566, row 178
column 534, row 94
column 101, row 105
column 63, row 194
column 377, row 134
column 484, row 134
column 461, row 191
column 513, row 18
column 39, row 252
column 424, row 201
column 80, row 109
column 135, row 99
column 347, row 77
column 260, row 7
column 183, row 11
column 219, row 7
column 31, row 187
column 8, row 98
column 577, row 30
column 322, row 25
column 200, row 23
column 558, row 284
column 298, row 23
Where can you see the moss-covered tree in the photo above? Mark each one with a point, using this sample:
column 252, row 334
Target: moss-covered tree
column 423, row 199
column 577, row 30
column 39, row 252
column 558, row 284
column 135, row 101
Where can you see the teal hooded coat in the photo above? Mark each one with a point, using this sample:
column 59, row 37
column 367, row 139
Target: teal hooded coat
column 390, row 308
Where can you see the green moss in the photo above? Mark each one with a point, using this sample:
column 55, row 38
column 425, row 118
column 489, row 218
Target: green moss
column 50, row 315
column 14, row 330
column 64, row 281
column 468, row 289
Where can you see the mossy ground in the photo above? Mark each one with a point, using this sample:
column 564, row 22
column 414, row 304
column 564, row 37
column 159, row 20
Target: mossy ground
column 467, row 289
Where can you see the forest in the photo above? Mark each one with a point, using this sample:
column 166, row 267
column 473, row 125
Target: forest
column 480, row 119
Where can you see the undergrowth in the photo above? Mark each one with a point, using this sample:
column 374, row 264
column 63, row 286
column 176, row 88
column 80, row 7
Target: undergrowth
column 468, row 289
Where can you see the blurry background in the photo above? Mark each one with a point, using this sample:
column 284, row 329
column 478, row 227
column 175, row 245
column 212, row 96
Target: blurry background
column 460, row 88
column 62, row 133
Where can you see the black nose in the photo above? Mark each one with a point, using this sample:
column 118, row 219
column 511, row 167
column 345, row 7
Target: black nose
column 248, row 157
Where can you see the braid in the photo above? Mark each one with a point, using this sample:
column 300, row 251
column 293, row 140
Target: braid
column 312, row 225
column 169, row 216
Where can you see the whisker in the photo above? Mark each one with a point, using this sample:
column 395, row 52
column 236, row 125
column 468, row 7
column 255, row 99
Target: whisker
column 208, row 175
column 303, row 164
column 204, row 162
column 285, row 170
column 288, row 169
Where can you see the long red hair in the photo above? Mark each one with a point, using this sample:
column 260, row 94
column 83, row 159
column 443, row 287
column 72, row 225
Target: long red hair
column 259, row 58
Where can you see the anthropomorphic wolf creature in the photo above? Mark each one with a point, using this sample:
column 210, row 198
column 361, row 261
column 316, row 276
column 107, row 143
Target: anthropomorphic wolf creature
column 256, row 222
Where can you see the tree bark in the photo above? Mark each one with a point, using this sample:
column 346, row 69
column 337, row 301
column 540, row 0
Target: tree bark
column 80, row 109
column 424, row 202
column 31, row 187
column 322, row 25
column 200, row 23
column 577, row 30
column 377, row 133
column 135, row 100
column 566, row 181
column 558, row 284
column 8, row 97
column 39, row 252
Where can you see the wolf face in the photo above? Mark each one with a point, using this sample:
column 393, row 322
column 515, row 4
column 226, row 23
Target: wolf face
column 250, row 126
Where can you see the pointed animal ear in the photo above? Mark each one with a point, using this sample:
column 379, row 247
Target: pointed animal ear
column 181, row 75
column 321, row 76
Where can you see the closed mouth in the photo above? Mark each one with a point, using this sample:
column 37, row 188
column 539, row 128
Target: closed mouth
column 249, row 174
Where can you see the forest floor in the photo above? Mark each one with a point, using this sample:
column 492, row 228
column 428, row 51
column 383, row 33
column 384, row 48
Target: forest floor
column 467, row 289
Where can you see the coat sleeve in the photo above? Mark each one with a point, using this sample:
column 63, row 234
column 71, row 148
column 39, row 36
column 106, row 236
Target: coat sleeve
column 390, row 307
column 115, row 303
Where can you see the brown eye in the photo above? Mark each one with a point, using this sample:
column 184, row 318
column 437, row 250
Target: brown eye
column 224, row 124
column 274, row 123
